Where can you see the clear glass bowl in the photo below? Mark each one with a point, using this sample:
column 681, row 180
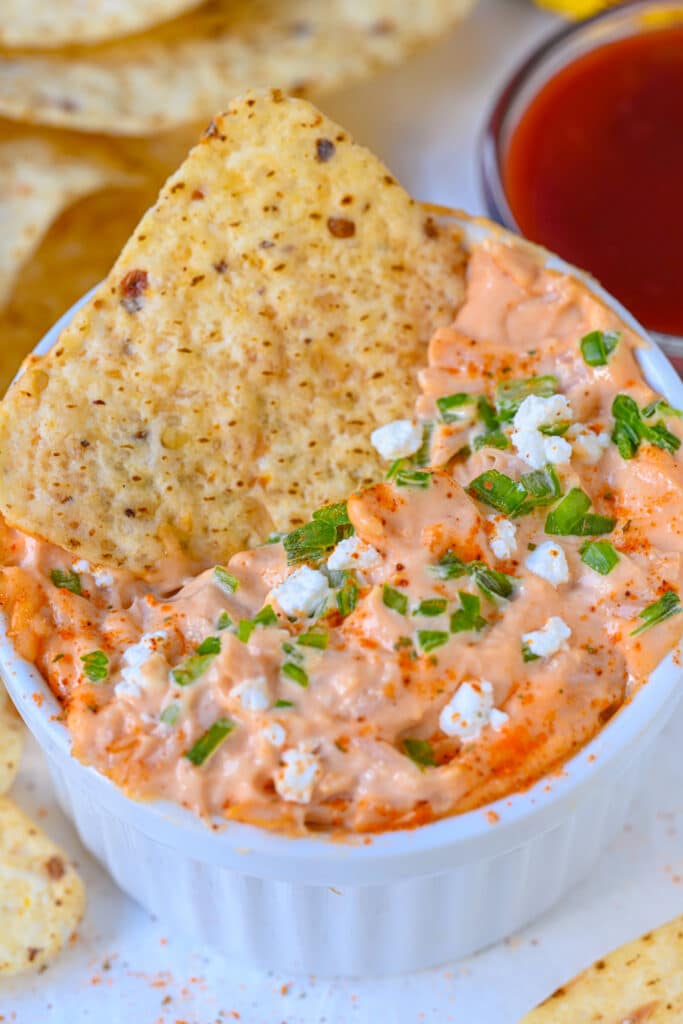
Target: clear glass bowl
column 562, row 48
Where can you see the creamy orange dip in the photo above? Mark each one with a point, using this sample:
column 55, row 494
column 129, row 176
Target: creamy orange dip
column 443, row 638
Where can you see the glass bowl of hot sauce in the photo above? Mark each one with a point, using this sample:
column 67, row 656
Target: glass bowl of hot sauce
column 583, row 154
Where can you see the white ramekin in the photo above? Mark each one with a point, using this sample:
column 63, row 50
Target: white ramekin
column 398, row 902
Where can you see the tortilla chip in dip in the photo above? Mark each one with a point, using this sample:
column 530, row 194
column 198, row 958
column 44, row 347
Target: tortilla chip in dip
column 639, row 983
column 269, row 312
column 34, row 23
column 41, row 897
column 186, row 70
column 11, row 741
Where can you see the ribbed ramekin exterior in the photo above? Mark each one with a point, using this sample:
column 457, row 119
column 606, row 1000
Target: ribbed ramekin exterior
column 403, row 925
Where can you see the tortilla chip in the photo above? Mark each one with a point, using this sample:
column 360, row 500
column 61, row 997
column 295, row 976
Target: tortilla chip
column 47, row 25
column 42, row 899
column 187, row 69
column 72, row 258
column 637, row 983
column 38, row 179
column 11, row 741
column 269, row 312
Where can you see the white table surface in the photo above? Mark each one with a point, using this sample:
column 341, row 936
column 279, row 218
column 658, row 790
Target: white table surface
column 124, row 967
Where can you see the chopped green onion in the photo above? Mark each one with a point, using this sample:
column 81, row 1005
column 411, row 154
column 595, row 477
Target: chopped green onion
column 511, row 393
column 212, row 645
column 453, row 408
column 627, row 423
column 528, row 654
column 449, row 567
column 226, row 579
column 413, row 478
column 599, row 555
column 468, row 617
column 661, row 405
column 487, row 414
column 421, row 752
column 347, row 596
column 224, row 621
column 597, row 346
column 244, row 630
column 192, row 668
column 394, row 599
column 543, row 487
column 207, row 744
column 337, row 515
column 310, row 543
column 498, row 490
column 591, row 525
column 291, row 650
column 317, row 640
column 95, row 666
column 558, row 429
column 266, row 617
column 662, row 437
column 432, row 606
column 422, row 456
column 65, row 579
column 170, row 714
column 629, row 429
column 491, row 439
column 566, row 517
column 57, row 657
column 394, row 468
column 669, row 604
column 430, row 639
column 492, row 583
column 296, row 673
column 283, row 704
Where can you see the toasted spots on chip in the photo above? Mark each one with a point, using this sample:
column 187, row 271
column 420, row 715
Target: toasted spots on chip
column 186, row 69
column 637, row 983
column 11, row 741
column 35, row 23
column 229, row 372
column 40, row 177
column 42, row 899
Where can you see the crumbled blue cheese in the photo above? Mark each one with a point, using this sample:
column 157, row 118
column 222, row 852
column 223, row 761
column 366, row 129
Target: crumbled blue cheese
column 503, row 540
column 274, row 734
column 398, row 439
column 101, row 576
column 550, row 562
column 549, row 639
column 588, row 445
column 141, row 662
column 536, row 448
column 302, row 593
column 470, row 710
column 352, row 553
column 296, row 778
column 253, row 694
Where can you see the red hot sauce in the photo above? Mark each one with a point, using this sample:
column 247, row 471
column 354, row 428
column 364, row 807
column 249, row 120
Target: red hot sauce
column 594, row 171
